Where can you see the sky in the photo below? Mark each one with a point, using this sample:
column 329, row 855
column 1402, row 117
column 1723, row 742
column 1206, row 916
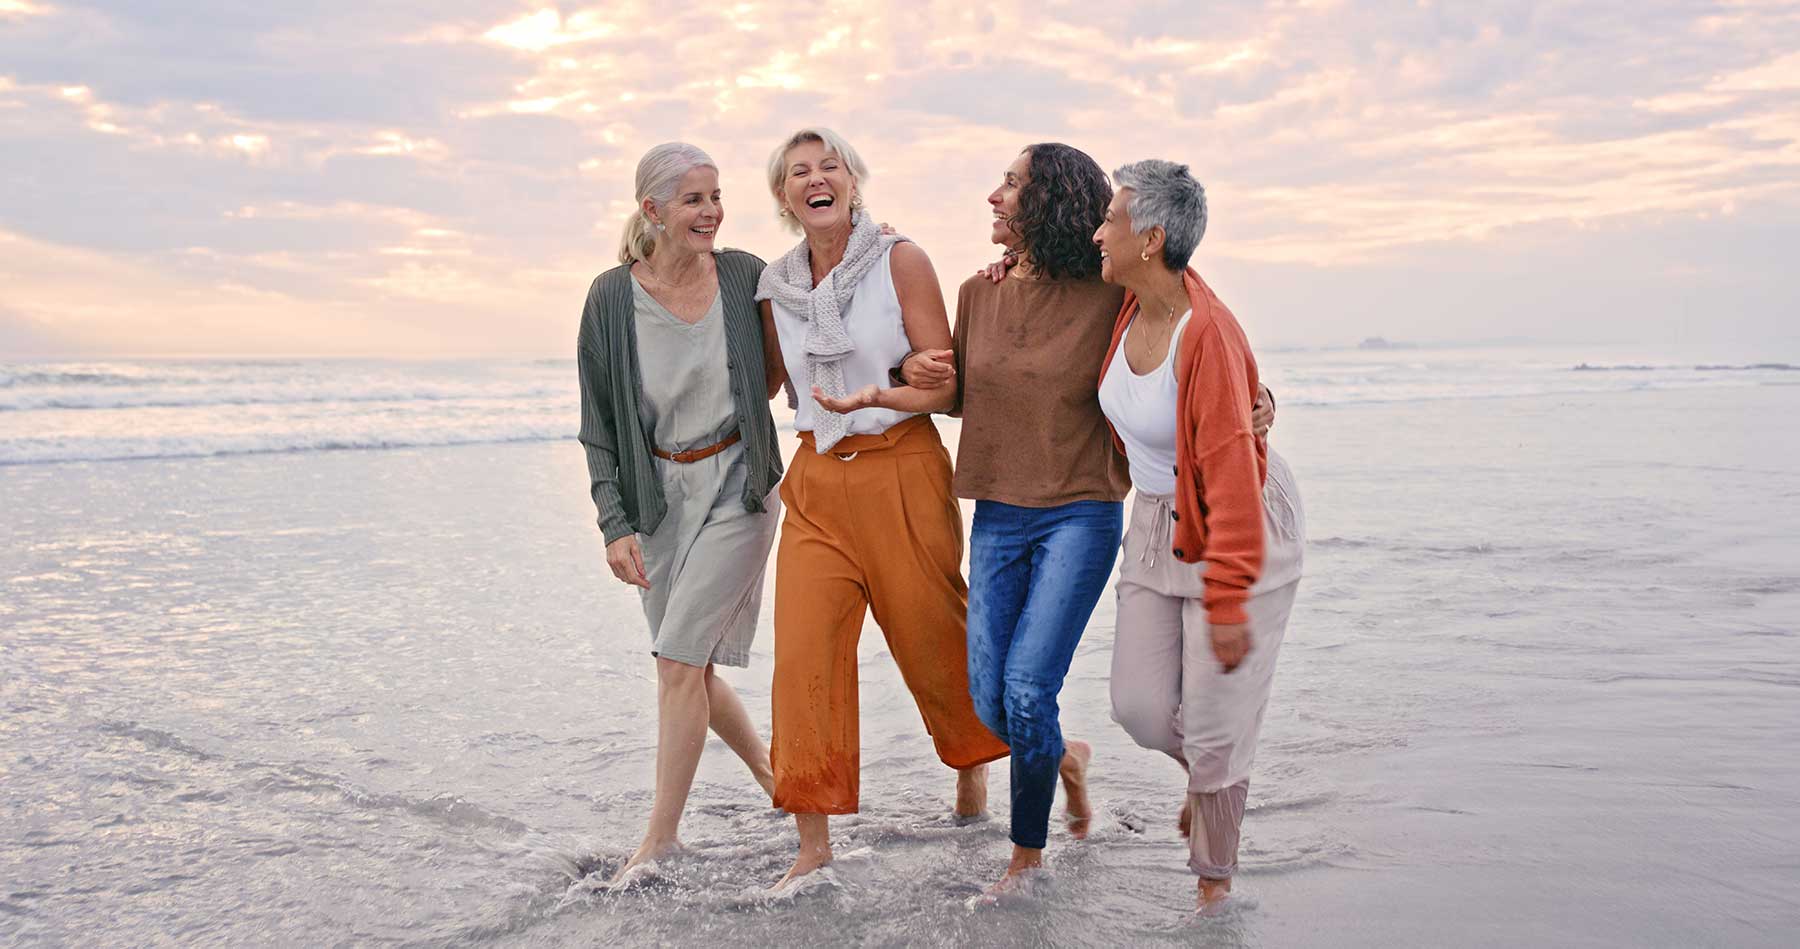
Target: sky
column 317, row 177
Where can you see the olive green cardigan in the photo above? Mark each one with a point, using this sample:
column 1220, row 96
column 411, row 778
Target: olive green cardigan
column 621, row 470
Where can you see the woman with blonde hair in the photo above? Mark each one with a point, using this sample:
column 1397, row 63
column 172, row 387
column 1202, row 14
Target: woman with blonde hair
column 682, row 459
column 870, row 523
column 1213, row 550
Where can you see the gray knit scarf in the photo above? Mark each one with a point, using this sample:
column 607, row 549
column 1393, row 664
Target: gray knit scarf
column 788, row 281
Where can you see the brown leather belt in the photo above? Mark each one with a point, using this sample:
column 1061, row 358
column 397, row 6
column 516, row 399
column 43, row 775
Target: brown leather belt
column 695, row 454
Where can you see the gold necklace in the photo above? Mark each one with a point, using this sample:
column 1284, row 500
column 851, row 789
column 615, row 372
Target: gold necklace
column 659, row 278
column 1168, row 328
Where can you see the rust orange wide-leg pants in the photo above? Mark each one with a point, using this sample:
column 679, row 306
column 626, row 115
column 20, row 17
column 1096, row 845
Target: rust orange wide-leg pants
column 879, row 531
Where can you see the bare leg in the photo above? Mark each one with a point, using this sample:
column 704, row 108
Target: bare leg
column 1185, row 822
column 733, row 726
column 971, row 791
column 815, row 846
column 1074, row 768
column 680, row 735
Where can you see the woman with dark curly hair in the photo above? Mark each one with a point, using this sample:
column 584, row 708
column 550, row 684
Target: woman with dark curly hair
column 1037, row 458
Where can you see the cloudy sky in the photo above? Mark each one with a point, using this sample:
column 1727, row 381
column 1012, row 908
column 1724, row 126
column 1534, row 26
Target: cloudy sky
column 445, row 177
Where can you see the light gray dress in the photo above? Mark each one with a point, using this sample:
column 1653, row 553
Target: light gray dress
column 706, row 560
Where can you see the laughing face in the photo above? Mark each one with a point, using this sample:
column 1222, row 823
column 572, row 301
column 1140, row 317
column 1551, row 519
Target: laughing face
column 1120, row 250
column 1005, row 201
column 818, row 187
column 693, row 216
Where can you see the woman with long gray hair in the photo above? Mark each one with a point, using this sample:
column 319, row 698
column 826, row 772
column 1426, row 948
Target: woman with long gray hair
column 1213, row 549
column 682, row 459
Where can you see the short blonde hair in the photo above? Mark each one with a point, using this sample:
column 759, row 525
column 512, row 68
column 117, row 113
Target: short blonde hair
column 834, row 145
column 659, row 173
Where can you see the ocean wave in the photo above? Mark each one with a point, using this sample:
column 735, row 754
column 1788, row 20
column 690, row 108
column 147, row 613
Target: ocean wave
column 1452, row 392
column 1752, row 367
column 182, row 374
column 10, row 380
column 104, row 452
column 150, row 400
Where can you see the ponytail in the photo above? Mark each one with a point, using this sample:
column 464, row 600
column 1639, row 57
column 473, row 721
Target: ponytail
column 639, row 239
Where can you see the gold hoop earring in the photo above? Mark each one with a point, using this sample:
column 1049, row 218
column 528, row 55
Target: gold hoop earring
column 1144, row 255
column 856, row 201
column 784, row 212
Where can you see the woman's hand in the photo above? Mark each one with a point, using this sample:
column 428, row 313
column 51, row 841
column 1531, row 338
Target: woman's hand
column 867, row 397
column 626, row 559
column 996, row 271
column 1262, row 414
column 929, row 368
column 1230, row 643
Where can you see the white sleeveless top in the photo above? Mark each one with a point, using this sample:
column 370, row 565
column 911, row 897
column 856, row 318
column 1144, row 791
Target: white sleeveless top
column 873, row 321
column 1143, row 410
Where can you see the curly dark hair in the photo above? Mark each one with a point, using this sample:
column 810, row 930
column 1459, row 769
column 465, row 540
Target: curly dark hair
column 1060, row 207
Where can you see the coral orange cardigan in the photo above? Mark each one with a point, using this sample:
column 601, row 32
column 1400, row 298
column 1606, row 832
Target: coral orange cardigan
column 1220, row 465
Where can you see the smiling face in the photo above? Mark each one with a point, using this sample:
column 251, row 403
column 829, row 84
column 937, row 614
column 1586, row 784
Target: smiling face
column 692, row 217
column 817, row 188
column 1121, row 251
column 1005, row 201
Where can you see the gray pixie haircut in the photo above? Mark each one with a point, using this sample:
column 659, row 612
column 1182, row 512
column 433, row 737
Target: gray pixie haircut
column 834, row 145
column 659, row 173
column 1165, row 195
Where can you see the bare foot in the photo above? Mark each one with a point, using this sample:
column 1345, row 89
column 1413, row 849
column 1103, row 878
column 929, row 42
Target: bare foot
column 647, row 852
column 1185, row 823
column 971, row 791
column 1213, row 894
column 1080, row 811
column 1026, row 862
column 810, row 859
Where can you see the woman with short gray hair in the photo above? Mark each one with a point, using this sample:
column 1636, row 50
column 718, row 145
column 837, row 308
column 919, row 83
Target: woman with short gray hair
column 1213, row 549
column 675, row 385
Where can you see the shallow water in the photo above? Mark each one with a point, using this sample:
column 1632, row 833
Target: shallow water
column 1541, row 686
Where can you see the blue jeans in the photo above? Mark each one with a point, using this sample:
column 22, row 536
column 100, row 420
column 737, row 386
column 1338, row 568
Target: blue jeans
column 1034, row 577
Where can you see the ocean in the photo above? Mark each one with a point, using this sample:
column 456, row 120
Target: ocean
column 324, row 652
column 178, row 408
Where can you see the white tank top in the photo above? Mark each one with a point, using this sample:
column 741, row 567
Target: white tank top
column 1143, row 410
column 873, row 322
